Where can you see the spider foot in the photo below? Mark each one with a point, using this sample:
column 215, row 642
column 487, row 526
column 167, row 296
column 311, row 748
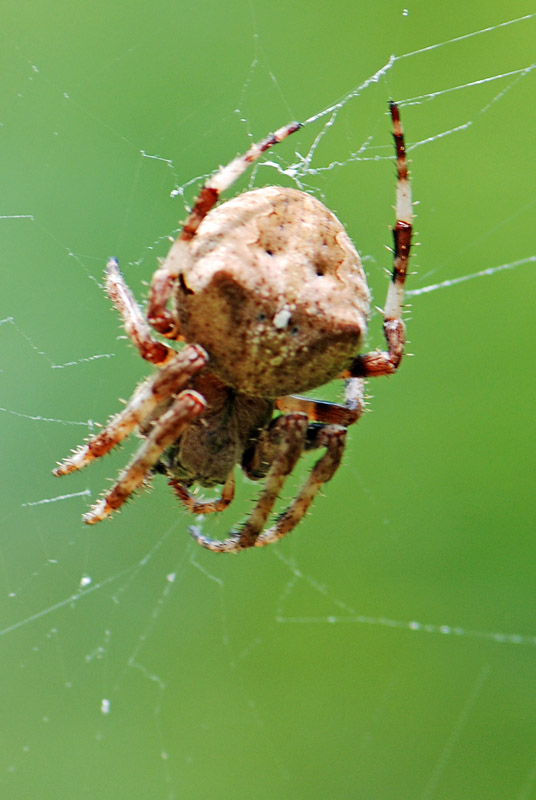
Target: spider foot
column 97, row 512
column 79, row 458
column 229, row 545
column 204, row 506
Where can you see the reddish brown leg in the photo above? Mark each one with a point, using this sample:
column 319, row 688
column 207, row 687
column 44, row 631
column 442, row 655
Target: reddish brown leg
column 387, row 362
column 185, row 408
column 293, row 428
column 327, row 412
column 164, row 278
column 288, row 433
column 146, row 398
column 333, row 438
column 204, row 506
column 133, row 320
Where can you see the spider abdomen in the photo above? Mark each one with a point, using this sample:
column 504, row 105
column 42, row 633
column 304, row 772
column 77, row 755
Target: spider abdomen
column 275, row 292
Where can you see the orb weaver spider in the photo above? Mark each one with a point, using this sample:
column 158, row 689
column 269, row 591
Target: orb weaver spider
column 269, row 296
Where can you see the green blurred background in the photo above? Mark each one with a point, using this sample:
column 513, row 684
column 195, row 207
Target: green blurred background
column 134, row 664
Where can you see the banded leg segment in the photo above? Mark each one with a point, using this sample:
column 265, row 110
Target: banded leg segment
column 196, row 506
column 132, row 317
column 145, row 399
column 186, row 407
column 288, row 434
column 333, row 438
column 387, row 362
column 327, row 412
column 297, row 435
column 164, row 278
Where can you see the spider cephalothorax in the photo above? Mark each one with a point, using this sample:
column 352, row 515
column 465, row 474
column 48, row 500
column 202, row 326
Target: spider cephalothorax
column 268, row 292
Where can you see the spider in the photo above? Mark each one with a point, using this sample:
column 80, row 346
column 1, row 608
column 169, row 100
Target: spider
column 268, row 293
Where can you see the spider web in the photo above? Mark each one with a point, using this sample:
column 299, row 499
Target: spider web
column 387, row 648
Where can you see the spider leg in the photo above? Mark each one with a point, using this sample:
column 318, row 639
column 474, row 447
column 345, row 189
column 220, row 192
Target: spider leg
column 288, row 434
column 381, row 362
column 324, row 411
column 328, row 429
column 164, row 277
column 132, row 317
column 205, row 506
column 333, row 438
column 186, row 407
column 146, row 398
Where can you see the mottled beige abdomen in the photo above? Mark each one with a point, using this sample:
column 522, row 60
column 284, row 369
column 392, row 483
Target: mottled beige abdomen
column 275, row 292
